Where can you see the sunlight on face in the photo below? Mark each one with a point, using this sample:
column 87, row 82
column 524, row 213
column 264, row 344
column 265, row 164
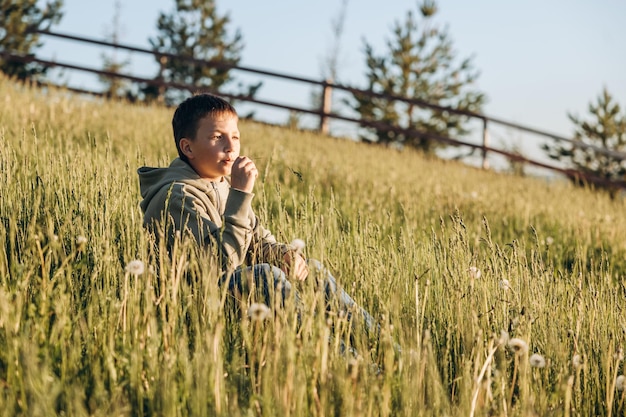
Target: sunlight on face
column 216, row 146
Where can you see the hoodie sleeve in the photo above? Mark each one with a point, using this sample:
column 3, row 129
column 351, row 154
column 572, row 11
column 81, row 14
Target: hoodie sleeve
column 192, row 212
column 264, row 247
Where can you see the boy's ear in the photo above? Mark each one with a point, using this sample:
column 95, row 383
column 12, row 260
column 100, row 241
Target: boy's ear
column 185, row 147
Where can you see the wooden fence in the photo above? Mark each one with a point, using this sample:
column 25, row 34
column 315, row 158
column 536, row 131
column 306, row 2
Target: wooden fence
column 325, row 112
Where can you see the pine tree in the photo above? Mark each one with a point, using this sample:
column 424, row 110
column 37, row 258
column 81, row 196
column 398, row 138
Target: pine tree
column 194, row 28
column 18, row 20
column 421, row 64
column 605, row 130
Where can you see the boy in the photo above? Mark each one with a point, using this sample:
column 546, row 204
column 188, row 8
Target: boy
column 206, row 194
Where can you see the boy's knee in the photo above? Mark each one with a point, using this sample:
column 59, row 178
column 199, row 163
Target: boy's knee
column 314, row 264
column 275, row 275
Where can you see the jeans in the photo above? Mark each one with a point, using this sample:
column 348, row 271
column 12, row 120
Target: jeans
column 268, row 281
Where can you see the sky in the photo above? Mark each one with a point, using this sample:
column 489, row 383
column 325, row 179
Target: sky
column 538, row 60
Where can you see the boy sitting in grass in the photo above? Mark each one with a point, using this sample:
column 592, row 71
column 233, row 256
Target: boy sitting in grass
column 206, row 193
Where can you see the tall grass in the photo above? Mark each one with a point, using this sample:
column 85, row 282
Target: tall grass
column 452, row 261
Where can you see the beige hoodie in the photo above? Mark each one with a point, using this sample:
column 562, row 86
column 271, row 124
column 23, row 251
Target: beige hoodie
column 211, row 212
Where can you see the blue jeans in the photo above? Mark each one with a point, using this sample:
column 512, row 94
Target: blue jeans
column 270, row 282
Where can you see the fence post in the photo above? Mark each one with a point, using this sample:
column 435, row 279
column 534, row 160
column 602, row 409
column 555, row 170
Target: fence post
column 325, row 106
column 485, row 144
column 161, row 93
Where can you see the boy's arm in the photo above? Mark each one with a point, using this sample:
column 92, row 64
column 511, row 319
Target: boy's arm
column 288, row 257
column 269, row 250
column 190, row 212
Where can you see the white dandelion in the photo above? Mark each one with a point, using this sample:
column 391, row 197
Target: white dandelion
column 537, row 361
column 549, row 240
column 258, row 312
column 620, row 382
column 518, row 346
column 577, row 361
column 135, row 267
column 504, row 337
column 297, row 245
column 474, row 272
column 504, row 284
column 81, row 241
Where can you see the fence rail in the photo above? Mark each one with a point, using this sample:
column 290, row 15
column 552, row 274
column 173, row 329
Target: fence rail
column 324, row 112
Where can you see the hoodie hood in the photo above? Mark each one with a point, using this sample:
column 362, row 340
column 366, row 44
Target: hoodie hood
column 152, row 180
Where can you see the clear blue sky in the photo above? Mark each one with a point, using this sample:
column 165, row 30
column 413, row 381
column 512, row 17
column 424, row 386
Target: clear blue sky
column 538, row 59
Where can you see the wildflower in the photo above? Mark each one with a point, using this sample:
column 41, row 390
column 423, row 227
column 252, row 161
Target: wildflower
column 537, row 361
column 135, row 267
column 577, row 361
column 504, row 337
column 619, row 382
column 258, row 312
column 81, row 241
column 518, row 346
column 474, row 272
column 504, row 284
column 297, row 245
column 514, row 323
column 549, row 240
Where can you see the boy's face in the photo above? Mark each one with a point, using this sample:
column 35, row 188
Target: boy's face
column 216, row 146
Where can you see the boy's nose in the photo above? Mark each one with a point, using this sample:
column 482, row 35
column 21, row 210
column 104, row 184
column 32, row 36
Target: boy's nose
column 229, row 143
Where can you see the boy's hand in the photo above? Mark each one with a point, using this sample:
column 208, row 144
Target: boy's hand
column 243, row 174
column 294, row 263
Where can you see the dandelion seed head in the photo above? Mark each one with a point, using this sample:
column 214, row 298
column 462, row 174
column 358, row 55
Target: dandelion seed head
column 504, row 337
column 518, row 346
column 549, row 240
column 577, row 361
column 474, row 272
column 81, row 240
column 620, row 382
column 537, row 361
column 258, row 312
column 514, row 323
column 504, row 284
column 297, row 245
column 135, row 267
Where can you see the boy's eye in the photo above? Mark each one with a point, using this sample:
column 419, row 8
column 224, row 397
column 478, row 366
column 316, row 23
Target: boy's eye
column 216, row 137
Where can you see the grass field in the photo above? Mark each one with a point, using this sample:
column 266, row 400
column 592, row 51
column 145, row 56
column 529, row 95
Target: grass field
column 506, row 294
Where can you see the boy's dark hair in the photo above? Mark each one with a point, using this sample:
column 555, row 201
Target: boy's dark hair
column 189, row 112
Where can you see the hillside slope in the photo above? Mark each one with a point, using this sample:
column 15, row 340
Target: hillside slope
column 452, row 260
